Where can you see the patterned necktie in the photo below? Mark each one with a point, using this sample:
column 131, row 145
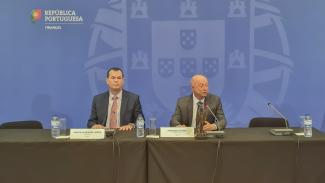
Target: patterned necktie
column 198, row 114
column 112, row 117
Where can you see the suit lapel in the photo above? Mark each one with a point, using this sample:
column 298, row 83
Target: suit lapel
column 207, row 101
column 190, row 110
column 124, row 102
column 105, row 107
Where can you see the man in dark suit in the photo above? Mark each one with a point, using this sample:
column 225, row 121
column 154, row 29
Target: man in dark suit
column 116, row 108
column 186, row 107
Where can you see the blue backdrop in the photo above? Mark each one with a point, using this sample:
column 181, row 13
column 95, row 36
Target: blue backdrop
column 253, row 52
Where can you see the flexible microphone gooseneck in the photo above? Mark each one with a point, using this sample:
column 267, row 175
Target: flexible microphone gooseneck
column 215, row 117
column 279, row 113
column 280, row 132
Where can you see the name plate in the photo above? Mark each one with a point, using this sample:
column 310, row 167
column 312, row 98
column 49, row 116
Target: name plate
column 87, row 133
column 177, row 132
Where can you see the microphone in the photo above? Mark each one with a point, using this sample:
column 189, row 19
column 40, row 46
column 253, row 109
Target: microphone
column 110, row 132
column 217, row 133
column 279, row 113
column 280, row 132
column 215, row 117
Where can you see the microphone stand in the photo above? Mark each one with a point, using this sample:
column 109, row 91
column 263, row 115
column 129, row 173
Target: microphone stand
column 280, row 131
column 217, row 133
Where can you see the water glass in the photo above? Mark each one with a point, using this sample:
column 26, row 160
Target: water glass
column 63, row 127
column 152, row 126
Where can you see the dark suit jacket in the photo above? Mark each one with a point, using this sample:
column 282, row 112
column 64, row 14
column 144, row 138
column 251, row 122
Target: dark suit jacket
column 130, row 108
column 184, row 111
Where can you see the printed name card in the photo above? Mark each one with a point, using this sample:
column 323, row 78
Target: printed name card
column 177, row 132
column 87, row 133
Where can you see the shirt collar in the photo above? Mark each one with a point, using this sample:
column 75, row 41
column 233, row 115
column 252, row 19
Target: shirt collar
column 195, row 100
column 119, row 95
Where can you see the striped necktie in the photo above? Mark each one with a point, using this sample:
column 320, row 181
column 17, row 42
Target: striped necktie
column 113, row 117
column 199, row 114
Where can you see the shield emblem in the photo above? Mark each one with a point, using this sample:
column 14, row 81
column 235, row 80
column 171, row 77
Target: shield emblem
column 188, row 67
column 210, row 66
column 188, row 38
column 165, row 67
column 180, row 46
column 177, row 63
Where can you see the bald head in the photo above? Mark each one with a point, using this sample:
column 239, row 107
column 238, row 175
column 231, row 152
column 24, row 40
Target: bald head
column 200, row 86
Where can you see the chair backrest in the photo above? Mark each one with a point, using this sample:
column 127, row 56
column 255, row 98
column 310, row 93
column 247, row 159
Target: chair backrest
column 267, row 122
column 27, row 124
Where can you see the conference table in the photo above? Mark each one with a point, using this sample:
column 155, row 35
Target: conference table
column 249, row 155
column 33, row 156
column 242, row 155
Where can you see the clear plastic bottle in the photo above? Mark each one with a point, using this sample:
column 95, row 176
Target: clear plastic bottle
column 55, row 124
column 140, row 126
column 308, row 128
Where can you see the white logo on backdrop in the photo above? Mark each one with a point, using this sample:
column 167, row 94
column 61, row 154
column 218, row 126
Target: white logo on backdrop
column 228, row 47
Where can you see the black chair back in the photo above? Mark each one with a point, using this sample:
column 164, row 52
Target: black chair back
column 267, row 122
column 27, row 124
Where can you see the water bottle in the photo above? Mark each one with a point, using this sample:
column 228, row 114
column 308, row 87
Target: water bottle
column 55, row 130
column 308, row 129
column 140, row 126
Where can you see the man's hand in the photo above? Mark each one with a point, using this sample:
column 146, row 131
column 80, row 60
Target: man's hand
column 209, row 127
column 97, row 126
column 127, row 127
